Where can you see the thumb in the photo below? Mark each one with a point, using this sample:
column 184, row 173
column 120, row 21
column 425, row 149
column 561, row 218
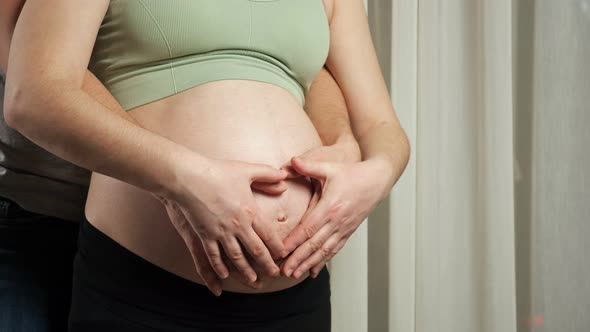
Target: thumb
column 276, row 188
column 311, row 168
column 265, row 173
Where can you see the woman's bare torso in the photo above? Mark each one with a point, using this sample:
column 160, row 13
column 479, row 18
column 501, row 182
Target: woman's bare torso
column 230, row 119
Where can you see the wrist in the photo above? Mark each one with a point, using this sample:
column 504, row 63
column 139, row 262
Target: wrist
column 182, row 166
column 349, row 147
column 386, row 170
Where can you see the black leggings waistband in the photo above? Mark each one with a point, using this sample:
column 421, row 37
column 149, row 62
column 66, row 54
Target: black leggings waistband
column 110, row 279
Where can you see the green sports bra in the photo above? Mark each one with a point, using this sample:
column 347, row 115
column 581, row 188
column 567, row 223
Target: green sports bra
column 151, row 49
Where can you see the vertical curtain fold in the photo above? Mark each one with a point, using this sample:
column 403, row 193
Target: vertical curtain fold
column 495, row 104
column 497, row 163
column 560, row 296
column 463, row 155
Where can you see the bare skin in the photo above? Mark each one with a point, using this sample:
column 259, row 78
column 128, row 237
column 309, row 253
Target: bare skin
column 373, row 119
column 9, row 12
column 221, row 128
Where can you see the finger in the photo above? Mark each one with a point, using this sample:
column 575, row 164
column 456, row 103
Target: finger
column 271, row 239
column 311, row 168
column 187, row 232
column 204, row 269
column 195, row 247
column 265, row 173
column 315, row 197
column 326, row 252
column 214, row 255
column 313, row 273
column 270, row 188
column 241, row 278
column 257, row 284
column 234, row 252
column 316, row 269
column 259, row 252
column 309, row 225
column 291, row 172
column 307, row 249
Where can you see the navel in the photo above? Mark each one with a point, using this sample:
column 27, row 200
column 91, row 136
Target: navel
column 282, row 216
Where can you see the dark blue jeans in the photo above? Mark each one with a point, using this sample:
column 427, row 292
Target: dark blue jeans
column 36, row 255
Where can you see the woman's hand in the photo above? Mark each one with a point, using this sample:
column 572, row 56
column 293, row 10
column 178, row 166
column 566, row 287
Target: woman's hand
column 220, row 208
column 344, row 150
column 192, row 241
column 348, row 192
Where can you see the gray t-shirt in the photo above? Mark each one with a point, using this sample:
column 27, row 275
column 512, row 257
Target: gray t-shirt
column 36, row 179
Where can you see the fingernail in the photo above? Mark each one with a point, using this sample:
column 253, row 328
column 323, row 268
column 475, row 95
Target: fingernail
column 296, row 274
column 255, row 285
column 253, row 277
column 224, row 275
column 288, row 272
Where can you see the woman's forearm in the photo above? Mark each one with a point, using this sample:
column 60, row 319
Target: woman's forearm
column 69, row 123
column 387, row 145
column 95, row 89
column 103, row 150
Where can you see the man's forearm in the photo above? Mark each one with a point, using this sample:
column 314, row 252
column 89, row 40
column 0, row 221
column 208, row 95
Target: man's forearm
column 326, row 107
column 384, row 143
column 9, row 12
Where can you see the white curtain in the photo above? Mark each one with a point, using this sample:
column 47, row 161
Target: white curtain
column 486, row 230
column 557, row 173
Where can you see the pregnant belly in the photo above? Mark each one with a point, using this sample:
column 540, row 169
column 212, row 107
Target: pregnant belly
column 232, row 119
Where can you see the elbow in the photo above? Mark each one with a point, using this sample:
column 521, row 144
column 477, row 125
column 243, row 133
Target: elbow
column 14, row 106
column 20, row 105
column 400, row 143
column 11, row 109
column 406, row 147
